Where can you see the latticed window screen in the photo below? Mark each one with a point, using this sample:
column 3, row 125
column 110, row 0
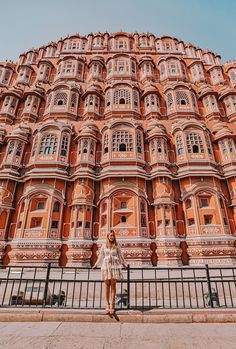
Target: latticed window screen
column 79, row 147
column 208, row 143
column 153, row 147
column 121, row 66
column 73, row 100
column 170, row 100
column 194, row 100
column 223, row 146
column 35, row 146
column 5, row 77
column 194, row 143
column 227, row 146
column 64, row 145
column 122, row 141
column 69, row 68
column 182, row 99
column 80, row 70
column 230, row 103
column 210, row 103
column 136, row 98
column 173, row 67
column 183, row 69
column 105, row 148
column 231, row 145
column 97, row 41
column 121, row 96
column 60, row 98
column 133, row 67
column 162, row 69
column 161, row 146
column 28, row 101
column 108, row 98
column 6, row 101
column 19, row 149
column 74, row 45
column 139, row 142
column 180, row 145
column 48, row 144
column 96, row 102
column 121, row 44
column 11, row 148
column 92, row 148
column 85, row 147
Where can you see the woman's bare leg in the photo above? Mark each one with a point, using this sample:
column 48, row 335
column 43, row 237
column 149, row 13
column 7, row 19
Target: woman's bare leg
column 113, row 291
column 107, row 291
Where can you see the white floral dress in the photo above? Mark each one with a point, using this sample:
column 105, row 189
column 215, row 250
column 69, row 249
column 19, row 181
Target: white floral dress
column 112, row 260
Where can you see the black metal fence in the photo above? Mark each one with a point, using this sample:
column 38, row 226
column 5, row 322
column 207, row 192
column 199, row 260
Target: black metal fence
column 142, row 288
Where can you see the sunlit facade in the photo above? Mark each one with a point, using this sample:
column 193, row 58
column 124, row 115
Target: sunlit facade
column 120, row 131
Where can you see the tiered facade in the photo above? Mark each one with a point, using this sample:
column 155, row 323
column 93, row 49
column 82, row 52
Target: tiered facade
column 125, row 131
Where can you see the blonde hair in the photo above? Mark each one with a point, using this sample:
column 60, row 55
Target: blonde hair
column 112, row 243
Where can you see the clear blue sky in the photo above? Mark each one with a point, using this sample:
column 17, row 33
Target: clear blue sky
column 32, row 23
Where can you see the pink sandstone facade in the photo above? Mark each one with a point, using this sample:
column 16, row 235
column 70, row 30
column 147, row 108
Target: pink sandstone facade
column 125, row 131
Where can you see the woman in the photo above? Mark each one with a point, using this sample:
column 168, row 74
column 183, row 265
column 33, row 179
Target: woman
column 112, row 261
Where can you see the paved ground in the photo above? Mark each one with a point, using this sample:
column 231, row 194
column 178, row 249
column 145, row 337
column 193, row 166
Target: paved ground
column 87, row 335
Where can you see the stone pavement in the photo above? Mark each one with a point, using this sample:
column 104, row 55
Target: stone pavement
column 87, row 335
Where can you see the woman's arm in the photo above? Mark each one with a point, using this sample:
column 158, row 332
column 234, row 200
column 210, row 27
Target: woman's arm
column 101, row 255
column 121, row 257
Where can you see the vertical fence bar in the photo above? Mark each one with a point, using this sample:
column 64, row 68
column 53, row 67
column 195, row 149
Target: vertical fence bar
column 46, row 285
column 128, row 287
column 209, row 285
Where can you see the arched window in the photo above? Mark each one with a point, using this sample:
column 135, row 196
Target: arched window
column 230, row 104
column 173, row 67
column 108, row 98
column 194, row 143
column 188, row 203
column 122, row 141
column 122, row 147
column 227, row 146
column 105, row 143
column 60, row 98
column 35, row 146
column 180, row 145
column 73, row 100
column 64, row 146
column 85, row 147
column 136, row 98
column 19, row 149
column 48, row 144
column 182, row 99
column 139, row 142
column 210, row 103
column 56, row 206
column 92, row 148
column 162, row 69
column 11, row 148
column 170, row 101
column 121, row 96
column 208, row 143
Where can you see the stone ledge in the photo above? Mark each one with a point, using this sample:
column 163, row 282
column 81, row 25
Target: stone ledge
column 57, row 315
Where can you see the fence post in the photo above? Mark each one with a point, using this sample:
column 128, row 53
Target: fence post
column 209, row 286
column 128, row 287
column 46, row 285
